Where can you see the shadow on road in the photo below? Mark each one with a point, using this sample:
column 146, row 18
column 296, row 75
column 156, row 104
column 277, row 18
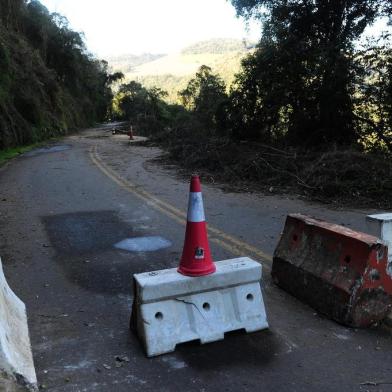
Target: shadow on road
column 84, row 247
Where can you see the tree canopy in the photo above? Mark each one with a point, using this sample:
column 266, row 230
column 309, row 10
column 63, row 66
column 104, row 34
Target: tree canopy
column 300, row 82
column 49, row 82
column 204, row 95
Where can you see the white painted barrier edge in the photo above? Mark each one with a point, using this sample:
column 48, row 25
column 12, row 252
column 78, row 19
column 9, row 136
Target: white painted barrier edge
column 16, row 359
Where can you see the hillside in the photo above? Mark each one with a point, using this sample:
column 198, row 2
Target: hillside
column 127, row 62
column 172, row 72
column 218, row 46
column 48, row 81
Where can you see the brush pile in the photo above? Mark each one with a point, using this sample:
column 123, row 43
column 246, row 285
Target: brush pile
column 344, row 177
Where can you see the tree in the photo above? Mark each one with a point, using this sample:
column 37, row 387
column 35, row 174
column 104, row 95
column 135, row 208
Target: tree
column 144, row 107
column 300, row 81
column 373, row 98
column 204, row 95
column 131, row 100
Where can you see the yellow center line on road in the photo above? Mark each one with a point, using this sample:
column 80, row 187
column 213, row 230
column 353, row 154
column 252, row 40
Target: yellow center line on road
column 233, row 245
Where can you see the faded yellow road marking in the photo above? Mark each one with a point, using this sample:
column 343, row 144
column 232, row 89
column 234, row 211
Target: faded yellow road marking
column 234, row 245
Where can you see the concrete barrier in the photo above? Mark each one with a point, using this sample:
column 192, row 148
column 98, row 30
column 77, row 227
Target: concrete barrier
column 170, row 308
column 380, row 225
column 339, row 272
column 17, row 371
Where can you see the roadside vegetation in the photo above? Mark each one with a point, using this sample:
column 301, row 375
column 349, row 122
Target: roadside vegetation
column 309, row 113
column 10, row 153
column 49, row 83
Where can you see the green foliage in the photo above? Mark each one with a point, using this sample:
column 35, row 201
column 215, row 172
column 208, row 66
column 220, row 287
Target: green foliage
column 298, row 86
column 204, row 96
column 49, row 83
column 143, row 107
column 10, row 153
column 167, row 82
column 5, row 78
column 373, row 98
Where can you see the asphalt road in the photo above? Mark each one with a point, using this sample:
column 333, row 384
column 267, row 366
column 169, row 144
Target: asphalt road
column 63, row 210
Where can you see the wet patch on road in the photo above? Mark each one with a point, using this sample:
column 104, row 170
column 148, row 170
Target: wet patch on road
column 47, row 149
column 143, row 244
column 84, row 247
column 86, row 232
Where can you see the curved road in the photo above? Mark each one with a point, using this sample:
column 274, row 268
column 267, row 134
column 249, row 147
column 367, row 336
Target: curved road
column 64, row 212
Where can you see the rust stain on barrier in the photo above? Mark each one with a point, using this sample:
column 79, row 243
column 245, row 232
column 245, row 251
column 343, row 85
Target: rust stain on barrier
column 338, row 229
column 340, row 272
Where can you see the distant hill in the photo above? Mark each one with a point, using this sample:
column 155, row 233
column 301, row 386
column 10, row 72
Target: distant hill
column 218, row 46
column 127, row 62
column 172, row 72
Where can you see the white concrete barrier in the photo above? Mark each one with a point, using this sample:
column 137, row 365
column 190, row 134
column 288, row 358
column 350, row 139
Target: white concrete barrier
column 171, row 308
column 17, row 371
column 380, row 225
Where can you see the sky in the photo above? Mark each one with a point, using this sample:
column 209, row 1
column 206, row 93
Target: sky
column 118, row 27
column 133, row 26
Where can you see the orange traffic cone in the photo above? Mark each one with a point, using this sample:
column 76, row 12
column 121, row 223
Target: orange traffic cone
column 130, row 134
column 196, row 257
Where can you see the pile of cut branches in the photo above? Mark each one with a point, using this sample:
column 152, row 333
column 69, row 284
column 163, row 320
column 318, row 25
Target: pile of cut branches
column 346, row 177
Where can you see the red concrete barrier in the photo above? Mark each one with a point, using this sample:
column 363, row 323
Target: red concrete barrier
column 340, row 272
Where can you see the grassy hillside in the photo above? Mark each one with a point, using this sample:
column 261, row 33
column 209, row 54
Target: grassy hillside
column 173, row 71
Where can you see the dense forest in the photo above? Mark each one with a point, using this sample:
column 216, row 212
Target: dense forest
column 49, row 83
column 309, row 112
